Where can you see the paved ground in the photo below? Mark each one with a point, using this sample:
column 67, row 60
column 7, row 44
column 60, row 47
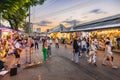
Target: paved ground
column 60, row 67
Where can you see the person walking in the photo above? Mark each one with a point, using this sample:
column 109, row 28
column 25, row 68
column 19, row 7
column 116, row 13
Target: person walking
column 79, row 44
column 31, row 45
column 75, row 51
column 57, row 43
column 84, row 46
column 65, row 43
column 49, row 47
column 111, row 44
column 92, row 54
column 36, row 43
column 96, row 43
column 108, row 55
column 87, row 47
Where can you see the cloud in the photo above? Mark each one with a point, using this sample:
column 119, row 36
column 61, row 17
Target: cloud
column 97, row 11
column 85, row 17
column 71, row 22
column 44, row 23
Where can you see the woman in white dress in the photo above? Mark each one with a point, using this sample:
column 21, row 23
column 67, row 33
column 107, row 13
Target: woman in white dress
column 93, row 54
column 108, row 55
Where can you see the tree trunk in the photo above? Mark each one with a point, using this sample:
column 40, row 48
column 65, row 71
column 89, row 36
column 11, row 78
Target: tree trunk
column 16, row 24
column 11, row 24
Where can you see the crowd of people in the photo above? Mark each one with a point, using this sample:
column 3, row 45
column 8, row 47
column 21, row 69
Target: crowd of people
column 88, row 47
column 82, row 47
column 15, row 44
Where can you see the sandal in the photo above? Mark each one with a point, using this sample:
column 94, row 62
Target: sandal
column 114, row 67
column 104, row 64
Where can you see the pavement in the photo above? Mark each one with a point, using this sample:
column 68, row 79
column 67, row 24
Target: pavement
column 116, row 51
column 60, row 67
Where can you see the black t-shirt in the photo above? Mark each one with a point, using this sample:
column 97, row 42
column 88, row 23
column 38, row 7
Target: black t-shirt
column 75, row 46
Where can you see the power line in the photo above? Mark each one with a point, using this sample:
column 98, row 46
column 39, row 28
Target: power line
column 66, row 10
column 51, row 3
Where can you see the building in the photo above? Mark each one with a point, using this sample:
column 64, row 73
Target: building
column 102, row 28
column 57, row 31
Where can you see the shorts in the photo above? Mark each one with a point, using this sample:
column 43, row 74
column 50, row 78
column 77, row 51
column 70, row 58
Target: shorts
column 83, row 49
column 108, row 53
column 16, row 54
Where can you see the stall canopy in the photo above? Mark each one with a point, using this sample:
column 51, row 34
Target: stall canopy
column 6, row 29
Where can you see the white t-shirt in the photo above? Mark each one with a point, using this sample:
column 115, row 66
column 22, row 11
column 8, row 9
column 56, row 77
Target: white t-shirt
column 83, row 43
column 50, row 41
column 17, row 45
column 56, row 41
column 95, row 41
column 93, row 47
column 79, row 43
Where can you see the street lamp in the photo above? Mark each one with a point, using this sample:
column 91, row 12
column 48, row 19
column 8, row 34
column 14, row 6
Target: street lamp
column 29, row 21
column 0, row 19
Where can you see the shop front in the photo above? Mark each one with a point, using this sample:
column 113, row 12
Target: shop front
column 55, row 35
column 113, row 34
column 5, row 33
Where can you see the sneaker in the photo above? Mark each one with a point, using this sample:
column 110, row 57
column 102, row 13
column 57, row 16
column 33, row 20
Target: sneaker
column 114, row 67
column 104, row 64
column 3, row 69
column 72, row 59
column 76, row 62
column 95, row 64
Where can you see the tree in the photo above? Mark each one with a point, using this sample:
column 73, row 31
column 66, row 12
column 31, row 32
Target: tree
column 12, row 6
column 16, row 20
column 15, row 11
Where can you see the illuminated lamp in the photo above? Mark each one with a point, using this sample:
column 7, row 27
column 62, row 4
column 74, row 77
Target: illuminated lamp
column 5, row 33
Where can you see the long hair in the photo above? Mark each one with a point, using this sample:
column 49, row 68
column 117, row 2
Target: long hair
column 43, row 43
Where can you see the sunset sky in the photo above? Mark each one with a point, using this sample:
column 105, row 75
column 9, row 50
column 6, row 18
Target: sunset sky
column 68, row 12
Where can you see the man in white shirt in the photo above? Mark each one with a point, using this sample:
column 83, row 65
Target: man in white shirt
column 57, row 43
column 50, row 41
column 17, row 45
column 49, row 47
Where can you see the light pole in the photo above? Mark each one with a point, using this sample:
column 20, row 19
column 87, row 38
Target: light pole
column 29, row 21
column 0, row 19
column 29, row 34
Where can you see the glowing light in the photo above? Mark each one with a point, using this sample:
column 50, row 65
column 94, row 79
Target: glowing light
column 5, row 33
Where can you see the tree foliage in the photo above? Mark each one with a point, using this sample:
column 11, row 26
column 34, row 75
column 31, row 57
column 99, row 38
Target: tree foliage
column 15, row 11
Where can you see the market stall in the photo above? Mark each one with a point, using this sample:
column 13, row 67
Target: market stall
column 113, row 34
column 5, row 33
